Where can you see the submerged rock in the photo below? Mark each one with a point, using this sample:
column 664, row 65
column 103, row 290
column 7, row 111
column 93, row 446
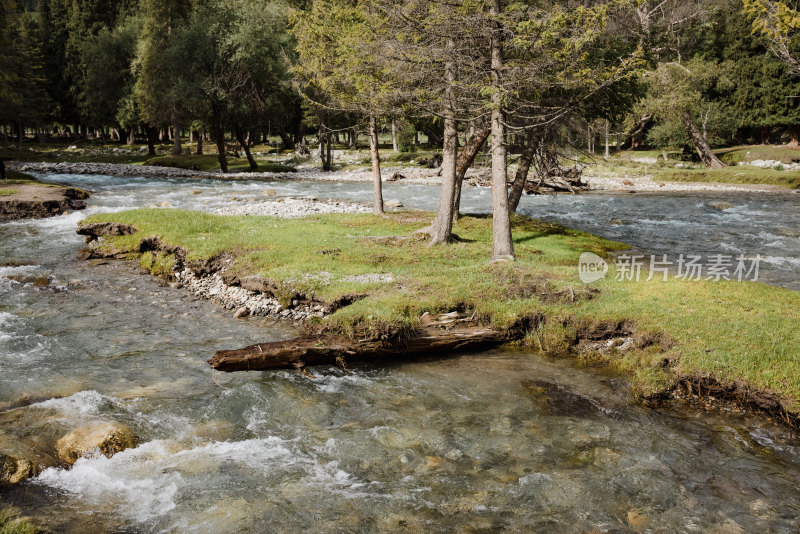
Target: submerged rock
column 18, row 461
column 14, row 469
column 108, row 438
column 722, row 206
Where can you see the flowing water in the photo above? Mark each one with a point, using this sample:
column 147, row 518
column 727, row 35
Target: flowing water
column 488, row 442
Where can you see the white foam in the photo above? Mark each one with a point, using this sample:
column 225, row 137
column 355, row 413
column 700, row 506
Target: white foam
column 335, row 384
column 780, row 260
column 80, row 403
column 7, row 321
column 143, row 482
column 18, row 269
column 120, row 481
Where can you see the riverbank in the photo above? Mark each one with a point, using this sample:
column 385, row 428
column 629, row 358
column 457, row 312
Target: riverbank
column 362, row 277
column 22, row 197
column 605, row 177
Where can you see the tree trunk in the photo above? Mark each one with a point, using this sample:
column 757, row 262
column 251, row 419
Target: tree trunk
column 394, row 136
column 442, row 227
column 765, row 135
column 176, row 138
column 151, row 140
column 20, row 134
column 286, row 139
column 700, row 144
column 199, row 151
column 218, row 129
column 465, row 160
column 376, row 166
column 608, row 146
column 795, row 142
column 132, row 136
column 325, row 149
column 330, row 350
column 246, row 147
column 222, row 157
column 502, row 246
column 518, row 185
column 354, row 139
column 330, row 152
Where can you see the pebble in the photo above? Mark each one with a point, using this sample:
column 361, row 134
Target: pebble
column 245, row 302
column 294, row 207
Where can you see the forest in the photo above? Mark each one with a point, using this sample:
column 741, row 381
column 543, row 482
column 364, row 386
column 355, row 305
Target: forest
column 532, row 77
column 399, row 266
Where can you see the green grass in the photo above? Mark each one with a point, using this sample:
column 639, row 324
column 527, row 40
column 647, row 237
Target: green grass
column 730, row 175
column 665, row 171
column 18, row 178
column 8, row 192
column 731, row 331
column 734, row 155
column 11, row 523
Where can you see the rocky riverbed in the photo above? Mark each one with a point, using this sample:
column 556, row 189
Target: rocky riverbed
column 241, row 301
column 405, row 175
column 289, row 207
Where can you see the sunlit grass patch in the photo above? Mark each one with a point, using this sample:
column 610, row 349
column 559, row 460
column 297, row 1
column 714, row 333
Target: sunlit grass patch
column 729, row 330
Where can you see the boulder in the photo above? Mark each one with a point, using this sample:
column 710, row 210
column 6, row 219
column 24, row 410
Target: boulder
column 107, row 438
column 394, row 204
column 14, row 468
column 18, row 461
column 722, row 206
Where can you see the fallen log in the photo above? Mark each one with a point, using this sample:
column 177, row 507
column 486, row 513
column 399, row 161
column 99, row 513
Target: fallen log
column 324, row 349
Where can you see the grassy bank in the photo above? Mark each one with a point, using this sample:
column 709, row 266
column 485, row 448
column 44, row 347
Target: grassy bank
column 15, row 178
column 12, row 523
column 675, row 170
column 727, row 330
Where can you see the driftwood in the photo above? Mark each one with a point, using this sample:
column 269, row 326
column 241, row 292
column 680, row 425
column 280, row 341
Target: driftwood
column 567, row 180
column 561, row 179
column 333, row 350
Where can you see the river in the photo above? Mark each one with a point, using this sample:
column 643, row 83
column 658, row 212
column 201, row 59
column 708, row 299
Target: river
column 500, row 441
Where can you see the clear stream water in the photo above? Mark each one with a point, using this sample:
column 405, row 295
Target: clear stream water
column 500, row 441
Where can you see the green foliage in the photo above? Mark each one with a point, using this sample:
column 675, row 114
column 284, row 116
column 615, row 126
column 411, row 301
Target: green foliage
column 8, row 192
column 23, row 99
column 108, row 77
column 406, row 137
column 339, row 57
column 157, row 88
column 779, row 23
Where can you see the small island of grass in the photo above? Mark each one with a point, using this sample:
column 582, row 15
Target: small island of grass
column 23, row 197
column 732, row 339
